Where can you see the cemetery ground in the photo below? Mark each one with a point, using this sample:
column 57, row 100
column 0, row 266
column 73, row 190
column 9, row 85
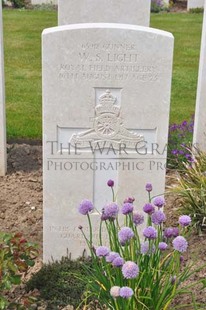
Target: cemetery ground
column 21, row 189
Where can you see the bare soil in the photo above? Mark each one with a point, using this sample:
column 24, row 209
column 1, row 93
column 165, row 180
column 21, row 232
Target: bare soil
column 21, row 209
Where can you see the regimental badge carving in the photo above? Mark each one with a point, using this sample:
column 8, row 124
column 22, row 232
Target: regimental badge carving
column 108, row 128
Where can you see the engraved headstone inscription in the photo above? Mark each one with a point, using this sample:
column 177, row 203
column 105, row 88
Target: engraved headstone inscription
column 104, row 11
column 106, row 98
column 3, row 161
column 199, row 137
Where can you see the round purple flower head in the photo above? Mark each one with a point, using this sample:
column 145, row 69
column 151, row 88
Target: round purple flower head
column 138, row 218
column 118, row 262
column 114, row 291
column 180, row 244
column 175, row 232
column 148, row 187
column 102, row 251
column 168, row 233
column 129, row 200
column 185, row 220
column 125, row 234
column 150, row 232
column 145, row 249
column 85, row 207
column 130, row 270
column 111, row 210
column 162, row 246
column 171, row 232
column 148, row 208
column 127, row 208
column 126, row 292
column 158, row 217
column 111, row 256
column 159, row 201
column 110, row 183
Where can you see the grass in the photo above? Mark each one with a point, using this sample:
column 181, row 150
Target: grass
column 22, row 36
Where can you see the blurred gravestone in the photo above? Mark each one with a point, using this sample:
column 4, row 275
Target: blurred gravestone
column 200, row 113
column 194, row 4
column 3, row 164
column 136, row 12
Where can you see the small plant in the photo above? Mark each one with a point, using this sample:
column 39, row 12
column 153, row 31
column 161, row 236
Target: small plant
column 196, row 11
column 179, row 143
column 16, row 256
column 192, row 189
column 58, row 283
column 18, row 3
column 135, row 271
column 158, row 6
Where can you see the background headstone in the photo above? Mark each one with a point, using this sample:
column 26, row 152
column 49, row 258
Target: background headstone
column 35, row 2
column 193, row 4
column 135, row 12
column 107, row 84
column 3, row 161
column 200, row 113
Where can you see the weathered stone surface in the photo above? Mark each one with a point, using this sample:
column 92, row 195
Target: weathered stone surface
column 135, row 12
column 200, row 113
column 106, row 87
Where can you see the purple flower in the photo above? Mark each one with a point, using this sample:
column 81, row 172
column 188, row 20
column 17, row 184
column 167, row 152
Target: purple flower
column 148, row 187
column 138, row 218
column 129, row 200
column 118, row 262
column 175, row 152
column 158, row 217
column 159, row 201
column 150, row 232
column 111, row 256
column 145, row 248
column 173, row 279
column 85, row 207
column 111, row 210
column 148, row 208
column 126, row 292
column 175, row 232
column 130, row 270
column 185, row 220
column 180, row 244
column 102, row 251
column 189, row 157
column 125, row 234
column 171, row 232
column 127, row 208
column 114, row 291
column 162, row 246
column 110, row 183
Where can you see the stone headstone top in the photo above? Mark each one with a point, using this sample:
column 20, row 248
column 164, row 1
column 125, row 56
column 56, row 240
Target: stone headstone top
column 135, row 12
column 106, row 99
column 3, row 165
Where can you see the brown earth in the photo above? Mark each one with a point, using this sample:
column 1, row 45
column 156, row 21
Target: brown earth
column 21, row 209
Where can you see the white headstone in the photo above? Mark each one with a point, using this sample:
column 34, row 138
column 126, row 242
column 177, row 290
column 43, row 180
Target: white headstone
column 200, row 113
column 3, row 164
column 35, row 2
column 193, row 4
column 108, row 86
column 104, row 11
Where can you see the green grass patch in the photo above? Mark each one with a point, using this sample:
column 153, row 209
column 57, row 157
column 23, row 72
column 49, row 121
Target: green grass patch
column 22, row 36
column 22, row 44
